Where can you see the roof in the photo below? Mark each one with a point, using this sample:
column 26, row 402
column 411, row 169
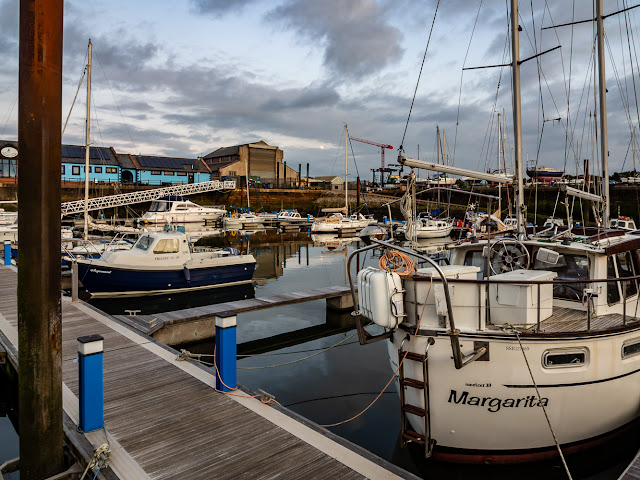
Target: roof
column 147, row 162
column 330, row 178
column 229, row 151
column 97, row 155
column 126, row 161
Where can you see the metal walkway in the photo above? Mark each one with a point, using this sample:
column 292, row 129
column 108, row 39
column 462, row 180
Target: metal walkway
column 77, row 206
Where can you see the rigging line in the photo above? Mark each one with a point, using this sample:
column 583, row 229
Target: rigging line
column 624, row 98
column 13, row 104
column 332, row 397
column 84, row 72
column 592, row 20
column 135, row 148
column 633, row 77
column 624, row 65
column 419, row 75
column 455, row 138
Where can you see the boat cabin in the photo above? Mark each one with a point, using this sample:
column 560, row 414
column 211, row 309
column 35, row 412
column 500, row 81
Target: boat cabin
column 623, row 223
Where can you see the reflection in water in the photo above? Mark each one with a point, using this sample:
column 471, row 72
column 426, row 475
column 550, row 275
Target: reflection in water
column 311, row 360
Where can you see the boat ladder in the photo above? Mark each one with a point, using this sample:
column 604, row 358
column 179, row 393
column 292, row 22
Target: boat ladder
column 407, row 433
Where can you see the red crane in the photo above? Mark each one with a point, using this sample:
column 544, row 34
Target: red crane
column 382, row 147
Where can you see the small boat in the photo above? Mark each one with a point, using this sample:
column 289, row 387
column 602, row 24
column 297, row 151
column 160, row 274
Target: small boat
column 7, row 218
column 547, row 174
column 338, row 222
column 623, row 223
column 177, row 209
column 163, row 262
column 428, row 227
column 292, row 216
column 243, row 220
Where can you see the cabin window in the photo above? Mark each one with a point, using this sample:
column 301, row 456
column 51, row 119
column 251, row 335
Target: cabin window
column 613, row 294
column 144, row 242
column 159, row 207
column 181, row 207
column 565, row 357
column 98, row 169
column 474, row 258
column 568, row 267
column 631, row 348
column 75, row 170
column 167, row 245
column 626, row 269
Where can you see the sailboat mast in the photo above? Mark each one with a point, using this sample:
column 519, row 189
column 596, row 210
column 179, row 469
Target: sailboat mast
column 517, row 117
column 604, row 147
column 86, row 148
column 346, row 183
column 499, row 147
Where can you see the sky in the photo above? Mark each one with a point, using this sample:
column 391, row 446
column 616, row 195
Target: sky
column 184, row 78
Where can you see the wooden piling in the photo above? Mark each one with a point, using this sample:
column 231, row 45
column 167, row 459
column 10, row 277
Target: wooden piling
column 39, row 310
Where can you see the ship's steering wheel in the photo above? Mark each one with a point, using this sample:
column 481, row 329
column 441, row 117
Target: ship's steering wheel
column 508, row 255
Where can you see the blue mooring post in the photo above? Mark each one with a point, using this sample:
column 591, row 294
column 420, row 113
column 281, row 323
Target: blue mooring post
column 226, row 350
column 7, row 252
column 90, row 352
column 385, row 218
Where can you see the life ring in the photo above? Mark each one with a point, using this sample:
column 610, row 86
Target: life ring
column 232, row 233
column 233, row 215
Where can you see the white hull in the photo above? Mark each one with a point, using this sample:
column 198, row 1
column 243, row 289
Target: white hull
column 196, row 217
column 492, row 404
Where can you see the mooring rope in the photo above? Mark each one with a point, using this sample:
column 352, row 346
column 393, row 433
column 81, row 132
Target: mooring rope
column 546, row 416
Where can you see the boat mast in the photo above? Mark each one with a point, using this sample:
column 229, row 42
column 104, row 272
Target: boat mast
column 86, row 147
column 499, row 184
column 517, row 117
column 604, row 147
column 346, row 183
column 246, row 167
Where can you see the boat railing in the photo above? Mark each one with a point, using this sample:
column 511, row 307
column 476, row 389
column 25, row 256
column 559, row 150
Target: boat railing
column 588, row 291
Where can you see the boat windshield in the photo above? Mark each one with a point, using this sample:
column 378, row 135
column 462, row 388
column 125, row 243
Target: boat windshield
column 144, row 242
column 159, row 206
column 568, row 267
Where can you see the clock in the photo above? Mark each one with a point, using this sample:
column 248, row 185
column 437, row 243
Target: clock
column 9, row 152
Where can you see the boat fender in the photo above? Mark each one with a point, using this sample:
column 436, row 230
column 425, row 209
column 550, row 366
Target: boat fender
column 187, row 274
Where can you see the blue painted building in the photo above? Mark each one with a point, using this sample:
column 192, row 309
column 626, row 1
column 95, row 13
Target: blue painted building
column 103, row 164
column 107, row 166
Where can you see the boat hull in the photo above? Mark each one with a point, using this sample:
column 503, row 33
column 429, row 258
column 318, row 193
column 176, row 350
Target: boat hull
column 492, row 406
column 102, row 279
column 191, row 217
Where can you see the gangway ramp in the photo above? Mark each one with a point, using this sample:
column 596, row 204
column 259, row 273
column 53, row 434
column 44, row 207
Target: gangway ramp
column 98, row 203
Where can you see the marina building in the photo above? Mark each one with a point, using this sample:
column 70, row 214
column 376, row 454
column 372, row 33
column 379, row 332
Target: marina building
column 103, row 164
column 263, row 162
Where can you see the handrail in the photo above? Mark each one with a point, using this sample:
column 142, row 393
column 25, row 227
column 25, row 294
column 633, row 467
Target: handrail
column 459, row 359
column 537, row 282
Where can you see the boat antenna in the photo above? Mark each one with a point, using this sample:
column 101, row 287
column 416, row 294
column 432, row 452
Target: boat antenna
column 86, row 160
column 401, row 149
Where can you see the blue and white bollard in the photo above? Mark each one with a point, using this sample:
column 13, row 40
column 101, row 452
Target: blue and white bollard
column 226, row 350
column 7, row 252
column 90, row 352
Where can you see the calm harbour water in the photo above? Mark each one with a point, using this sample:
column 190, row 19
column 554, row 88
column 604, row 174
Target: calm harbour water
column 335, row 384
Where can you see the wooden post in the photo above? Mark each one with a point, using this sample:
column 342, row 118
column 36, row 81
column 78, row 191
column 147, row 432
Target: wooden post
column 299, row 176
column 307, row 176
column 74, row 281
column 39, row 309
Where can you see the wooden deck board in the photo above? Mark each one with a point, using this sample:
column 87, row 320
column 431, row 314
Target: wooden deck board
column 175, row 425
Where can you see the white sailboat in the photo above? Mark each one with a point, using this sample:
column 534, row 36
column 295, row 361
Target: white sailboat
column 523, row 348
column 340, row 220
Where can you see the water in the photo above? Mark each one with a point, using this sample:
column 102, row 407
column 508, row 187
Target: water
column 336, row 384
column 9, row 448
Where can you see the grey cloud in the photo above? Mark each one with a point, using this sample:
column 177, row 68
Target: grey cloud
column 357, row 41
column 218, row 8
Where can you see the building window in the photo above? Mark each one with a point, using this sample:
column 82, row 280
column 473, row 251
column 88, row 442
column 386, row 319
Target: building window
column 111, row 170
column 156, row 173
column 62, row 169
column 181, row 174
column 90, row 169
column 98, row 169
column 233, row 174
column 168, row 174
column 75, row 170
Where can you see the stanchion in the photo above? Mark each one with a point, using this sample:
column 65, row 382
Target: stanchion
column 226, row 350
column 90, row 352
column 7, row 252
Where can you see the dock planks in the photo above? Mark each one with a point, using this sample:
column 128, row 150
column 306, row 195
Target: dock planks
column 149, row 324
column 164, row 419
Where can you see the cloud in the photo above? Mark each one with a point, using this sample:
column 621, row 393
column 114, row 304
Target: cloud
column 218, row 8
column 357, row 40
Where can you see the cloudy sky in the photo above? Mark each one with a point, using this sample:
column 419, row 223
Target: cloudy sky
column 186, row 77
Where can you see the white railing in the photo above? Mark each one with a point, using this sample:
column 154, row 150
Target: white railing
column 98, row 203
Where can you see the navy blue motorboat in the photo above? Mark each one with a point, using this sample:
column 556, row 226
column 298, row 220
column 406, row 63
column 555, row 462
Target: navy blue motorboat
column 163, row 262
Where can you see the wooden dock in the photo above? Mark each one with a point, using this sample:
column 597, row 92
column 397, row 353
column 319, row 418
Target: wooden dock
column 194, row 324
column 165, row 420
